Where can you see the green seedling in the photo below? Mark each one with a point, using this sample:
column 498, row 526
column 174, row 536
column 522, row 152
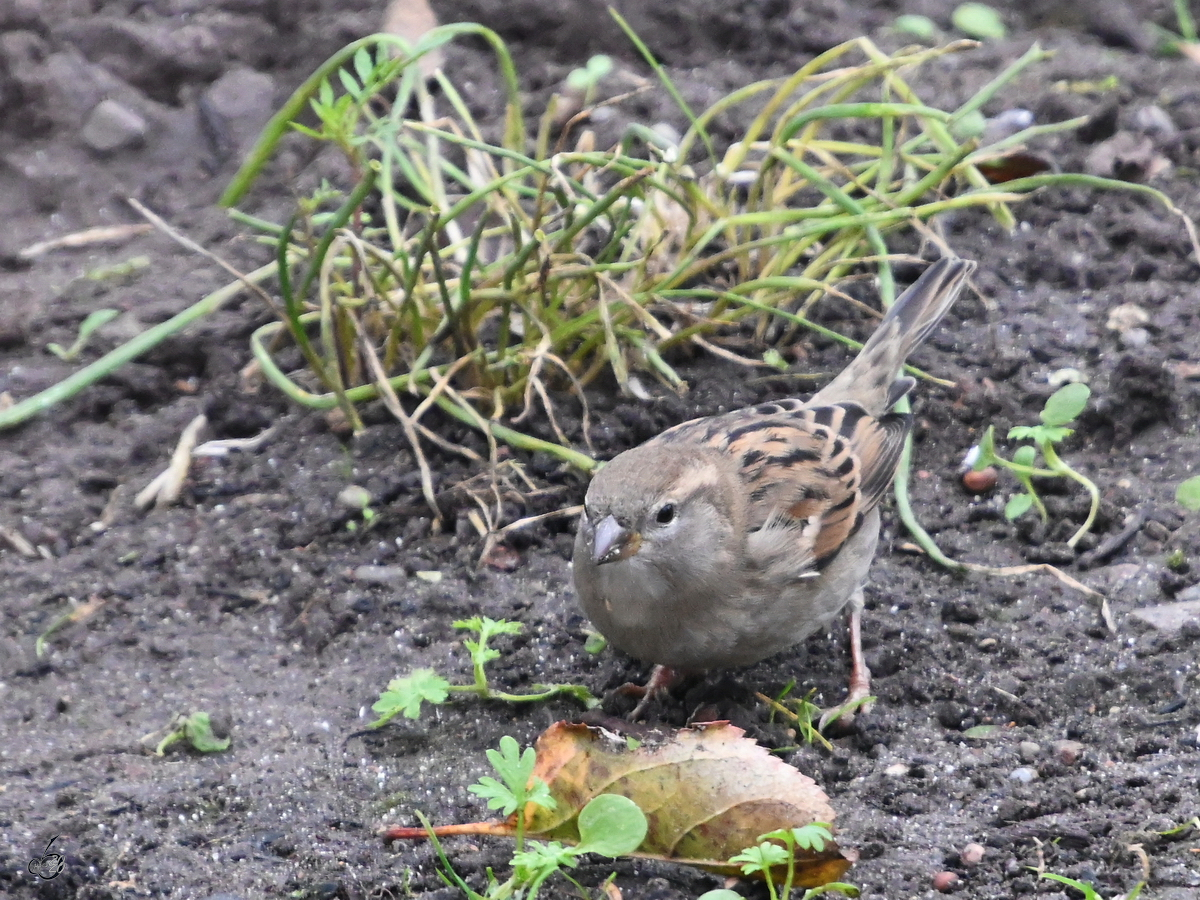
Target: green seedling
column 79, row 612
column 978, row 20
column 1186, row 41
column 1061, row 409
column 609, row 825
column 774, row 359
column 585, row 81
column 778, row 848
column 806, row 717
column 1187, row 494
column 516, row 786
column 406, row 695
column 920, row 27
column 1089, row 890
column 197, row 730
column 93, row 322
column 358, row 499
column 595, row 643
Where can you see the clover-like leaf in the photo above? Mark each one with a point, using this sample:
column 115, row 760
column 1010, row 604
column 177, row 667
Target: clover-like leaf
column 760, row 858
column 1065, row 404
column 406, row 694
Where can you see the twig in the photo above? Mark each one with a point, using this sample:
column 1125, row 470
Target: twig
column 167, row 486
column 86, row 238
column 185, row 241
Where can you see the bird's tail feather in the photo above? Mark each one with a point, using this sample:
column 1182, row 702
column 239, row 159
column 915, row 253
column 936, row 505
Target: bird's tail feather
column 873, row 378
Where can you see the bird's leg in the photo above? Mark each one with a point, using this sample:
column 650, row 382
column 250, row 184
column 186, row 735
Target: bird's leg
column 860, row 675
column 661, row 678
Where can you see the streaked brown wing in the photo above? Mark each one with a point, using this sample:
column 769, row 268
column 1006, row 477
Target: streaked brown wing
column 818, row 469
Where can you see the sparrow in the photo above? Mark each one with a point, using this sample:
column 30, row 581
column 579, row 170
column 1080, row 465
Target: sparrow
column 729, row 538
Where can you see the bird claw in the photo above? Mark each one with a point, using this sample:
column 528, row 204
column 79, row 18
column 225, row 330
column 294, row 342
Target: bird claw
column 846, row 712
column 661, row 679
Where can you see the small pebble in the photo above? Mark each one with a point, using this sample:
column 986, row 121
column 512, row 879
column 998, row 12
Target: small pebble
column 381, row 574
column 1134, row 338
column 354, row 497
column 896, row 770
column 1068, row 752
column 980, row 482
column 1023, row 774
column 1029, row 751
column 1126, row 316
column 971, row 855
column 111, row 126
column 945, row 882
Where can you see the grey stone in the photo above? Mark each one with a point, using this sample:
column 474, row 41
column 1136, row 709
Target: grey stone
column 112, row 127
column 1169, row 617
column 235, row 108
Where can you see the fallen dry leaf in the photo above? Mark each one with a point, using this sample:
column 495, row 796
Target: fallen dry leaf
column 708, row 793
column 1014, row 165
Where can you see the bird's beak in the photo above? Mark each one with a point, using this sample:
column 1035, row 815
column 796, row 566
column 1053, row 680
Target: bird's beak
column 612, row 541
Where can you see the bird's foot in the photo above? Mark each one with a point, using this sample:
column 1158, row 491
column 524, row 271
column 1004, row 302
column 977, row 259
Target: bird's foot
column 859, row 697
column 662, row 678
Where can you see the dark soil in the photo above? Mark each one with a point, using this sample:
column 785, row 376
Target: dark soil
column 249, row 599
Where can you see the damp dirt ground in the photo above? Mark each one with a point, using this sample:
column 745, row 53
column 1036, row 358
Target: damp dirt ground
column 253, row 600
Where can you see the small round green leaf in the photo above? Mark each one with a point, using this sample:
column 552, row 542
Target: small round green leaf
column 1017, row 505
column 595, row 643
column 1187, row 494
column 920, row 27
column 1066, row 403
column 1025, row 455
column 720, row 894
column 611, row 825
column 981, row 732
column 971, row 125
column 979, row 21
column 599, row 66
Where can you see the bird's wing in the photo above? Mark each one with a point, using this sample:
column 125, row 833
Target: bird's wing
column 812, row 473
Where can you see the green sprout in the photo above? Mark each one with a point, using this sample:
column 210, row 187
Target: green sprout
column 196, row 729
column 778, row 848
column 1088, row 890
column 1186, row 39
column 517, row 786
column 609, row 825
column 585, row 81
column 1061, row 409
column 1187, row 494
column 806, row 717
column 405, row 695
column 978, row 20
column 920, row 27
column 93, row 322
column 359, row 499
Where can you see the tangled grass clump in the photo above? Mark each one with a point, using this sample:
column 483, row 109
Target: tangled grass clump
column 487, row 276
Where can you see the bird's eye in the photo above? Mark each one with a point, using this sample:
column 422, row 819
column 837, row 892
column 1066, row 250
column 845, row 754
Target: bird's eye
column 665, row 514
